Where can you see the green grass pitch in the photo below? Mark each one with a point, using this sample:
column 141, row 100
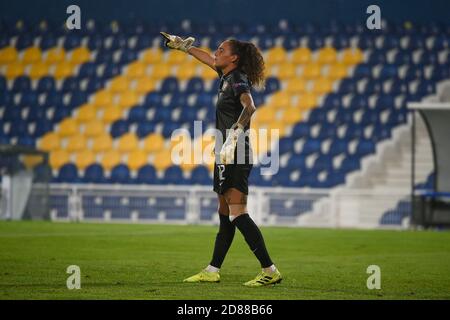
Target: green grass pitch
column 120, row 261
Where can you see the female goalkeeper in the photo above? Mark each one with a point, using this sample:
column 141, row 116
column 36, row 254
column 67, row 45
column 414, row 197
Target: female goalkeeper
column 240, row 66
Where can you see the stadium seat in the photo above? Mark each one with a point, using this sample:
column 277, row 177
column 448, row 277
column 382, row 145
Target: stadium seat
column 120, row 174
column 58, row 158
column 102, row 143
column 110, row 159
column 127, row 143
column 84, row 158
column 94, row 174
column 146, row 175
column 68, row 173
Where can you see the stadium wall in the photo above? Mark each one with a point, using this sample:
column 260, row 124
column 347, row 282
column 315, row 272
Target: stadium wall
column 228, row 10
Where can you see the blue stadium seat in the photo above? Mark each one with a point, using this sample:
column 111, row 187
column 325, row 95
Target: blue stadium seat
column 87, row 70
column 338, row 146
column 120, row 174
column 24, row 41
column 311, row 146
column 173, row 175
column 145, row 128
column 68, row 173
column 194, row 85
column 119, row 128
column 146, row 175
column 301, row 129
column 72, row 41
column 272, row 85
column 41, row 128
column 22, row 83
column 45, row 84
column 137, row 114
column 365, row 147
column 48, row 41
column 200, row 175
column 70, row 84
column 169, row 85
column 94, row 174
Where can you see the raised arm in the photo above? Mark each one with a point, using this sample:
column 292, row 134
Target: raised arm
column 202, row 56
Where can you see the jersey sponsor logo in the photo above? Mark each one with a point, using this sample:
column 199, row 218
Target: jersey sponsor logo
column 239, row 84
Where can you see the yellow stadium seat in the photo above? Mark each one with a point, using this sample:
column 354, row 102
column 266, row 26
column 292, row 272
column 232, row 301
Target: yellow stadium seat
column 186, row 71
column 280, row 99
column 31, row 55
column 136, row 69
column 352, row 56
column 207, row 73
column 306, row 101
column 326, row 55
column 265, row 114
column 94, row 128
column 128, row 99
column 14, row 70
column 102, row 143
column 162, row 160
column 84, row 158
column 110, row 159
column 86, row 112
column 38, row 70
column 301, row 56
column 111, row 113
column 76, row 143
column 296, row 85
column 55, row 55
column 127, row 143
column 311, row 71
column 31, row 161
column 8, row 55
column 154, row 142
column 276, row 55
column 160, row 71
column 49, row 142
column 286, row 71
column 152, row 56
column 277, row 124
column 58, row 158
column 119, row 84
column 68, row 127
column 63, row 70
column 137, row 159
column 144, row 85
column 337, row 71
column 80, row 55
column 291, row 116
column 322, row 86
column 102, row 98
column 175, row 57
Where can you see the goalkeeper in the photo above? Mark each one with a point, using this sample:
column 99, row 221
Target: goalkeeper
column 240, row 66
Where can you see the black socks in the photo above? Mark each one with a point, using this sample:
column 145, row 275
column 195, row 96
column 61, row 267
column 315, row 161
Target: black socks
column 224, row 239
column 254, row 238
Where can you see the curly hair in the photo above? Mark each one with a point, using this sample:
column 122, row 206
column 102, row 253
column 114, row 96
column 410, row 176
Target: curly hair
column 251, row 61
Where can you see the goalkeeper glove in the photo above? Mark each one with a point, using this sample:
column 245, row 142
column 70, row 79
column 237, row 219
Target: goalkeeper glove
column 177, row 43
column 227, row 151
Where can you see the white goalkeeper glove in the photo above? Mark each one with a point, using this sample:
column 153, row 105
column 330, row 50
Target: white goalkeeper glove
column 177, row 43
column 227, row 151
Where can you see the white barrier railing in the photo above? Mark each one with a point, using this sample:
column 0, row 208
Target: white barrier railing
column 198, row 205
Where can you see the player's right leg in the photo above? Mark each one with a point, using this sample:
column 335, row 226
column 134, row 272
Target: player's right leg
column 223, row 242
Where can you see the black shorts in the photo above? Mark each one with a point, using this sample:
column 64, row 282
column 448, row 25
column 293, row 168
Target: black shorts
column 231, row 176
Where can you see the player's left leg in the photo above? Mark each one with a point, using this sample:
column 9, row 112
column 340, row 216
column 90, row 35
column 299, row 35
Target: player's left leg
column 224, row 238
column 237, row 203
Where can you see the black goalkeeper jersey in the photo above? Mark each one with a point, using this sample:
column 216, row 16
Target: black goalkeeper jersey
column 229, row 107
